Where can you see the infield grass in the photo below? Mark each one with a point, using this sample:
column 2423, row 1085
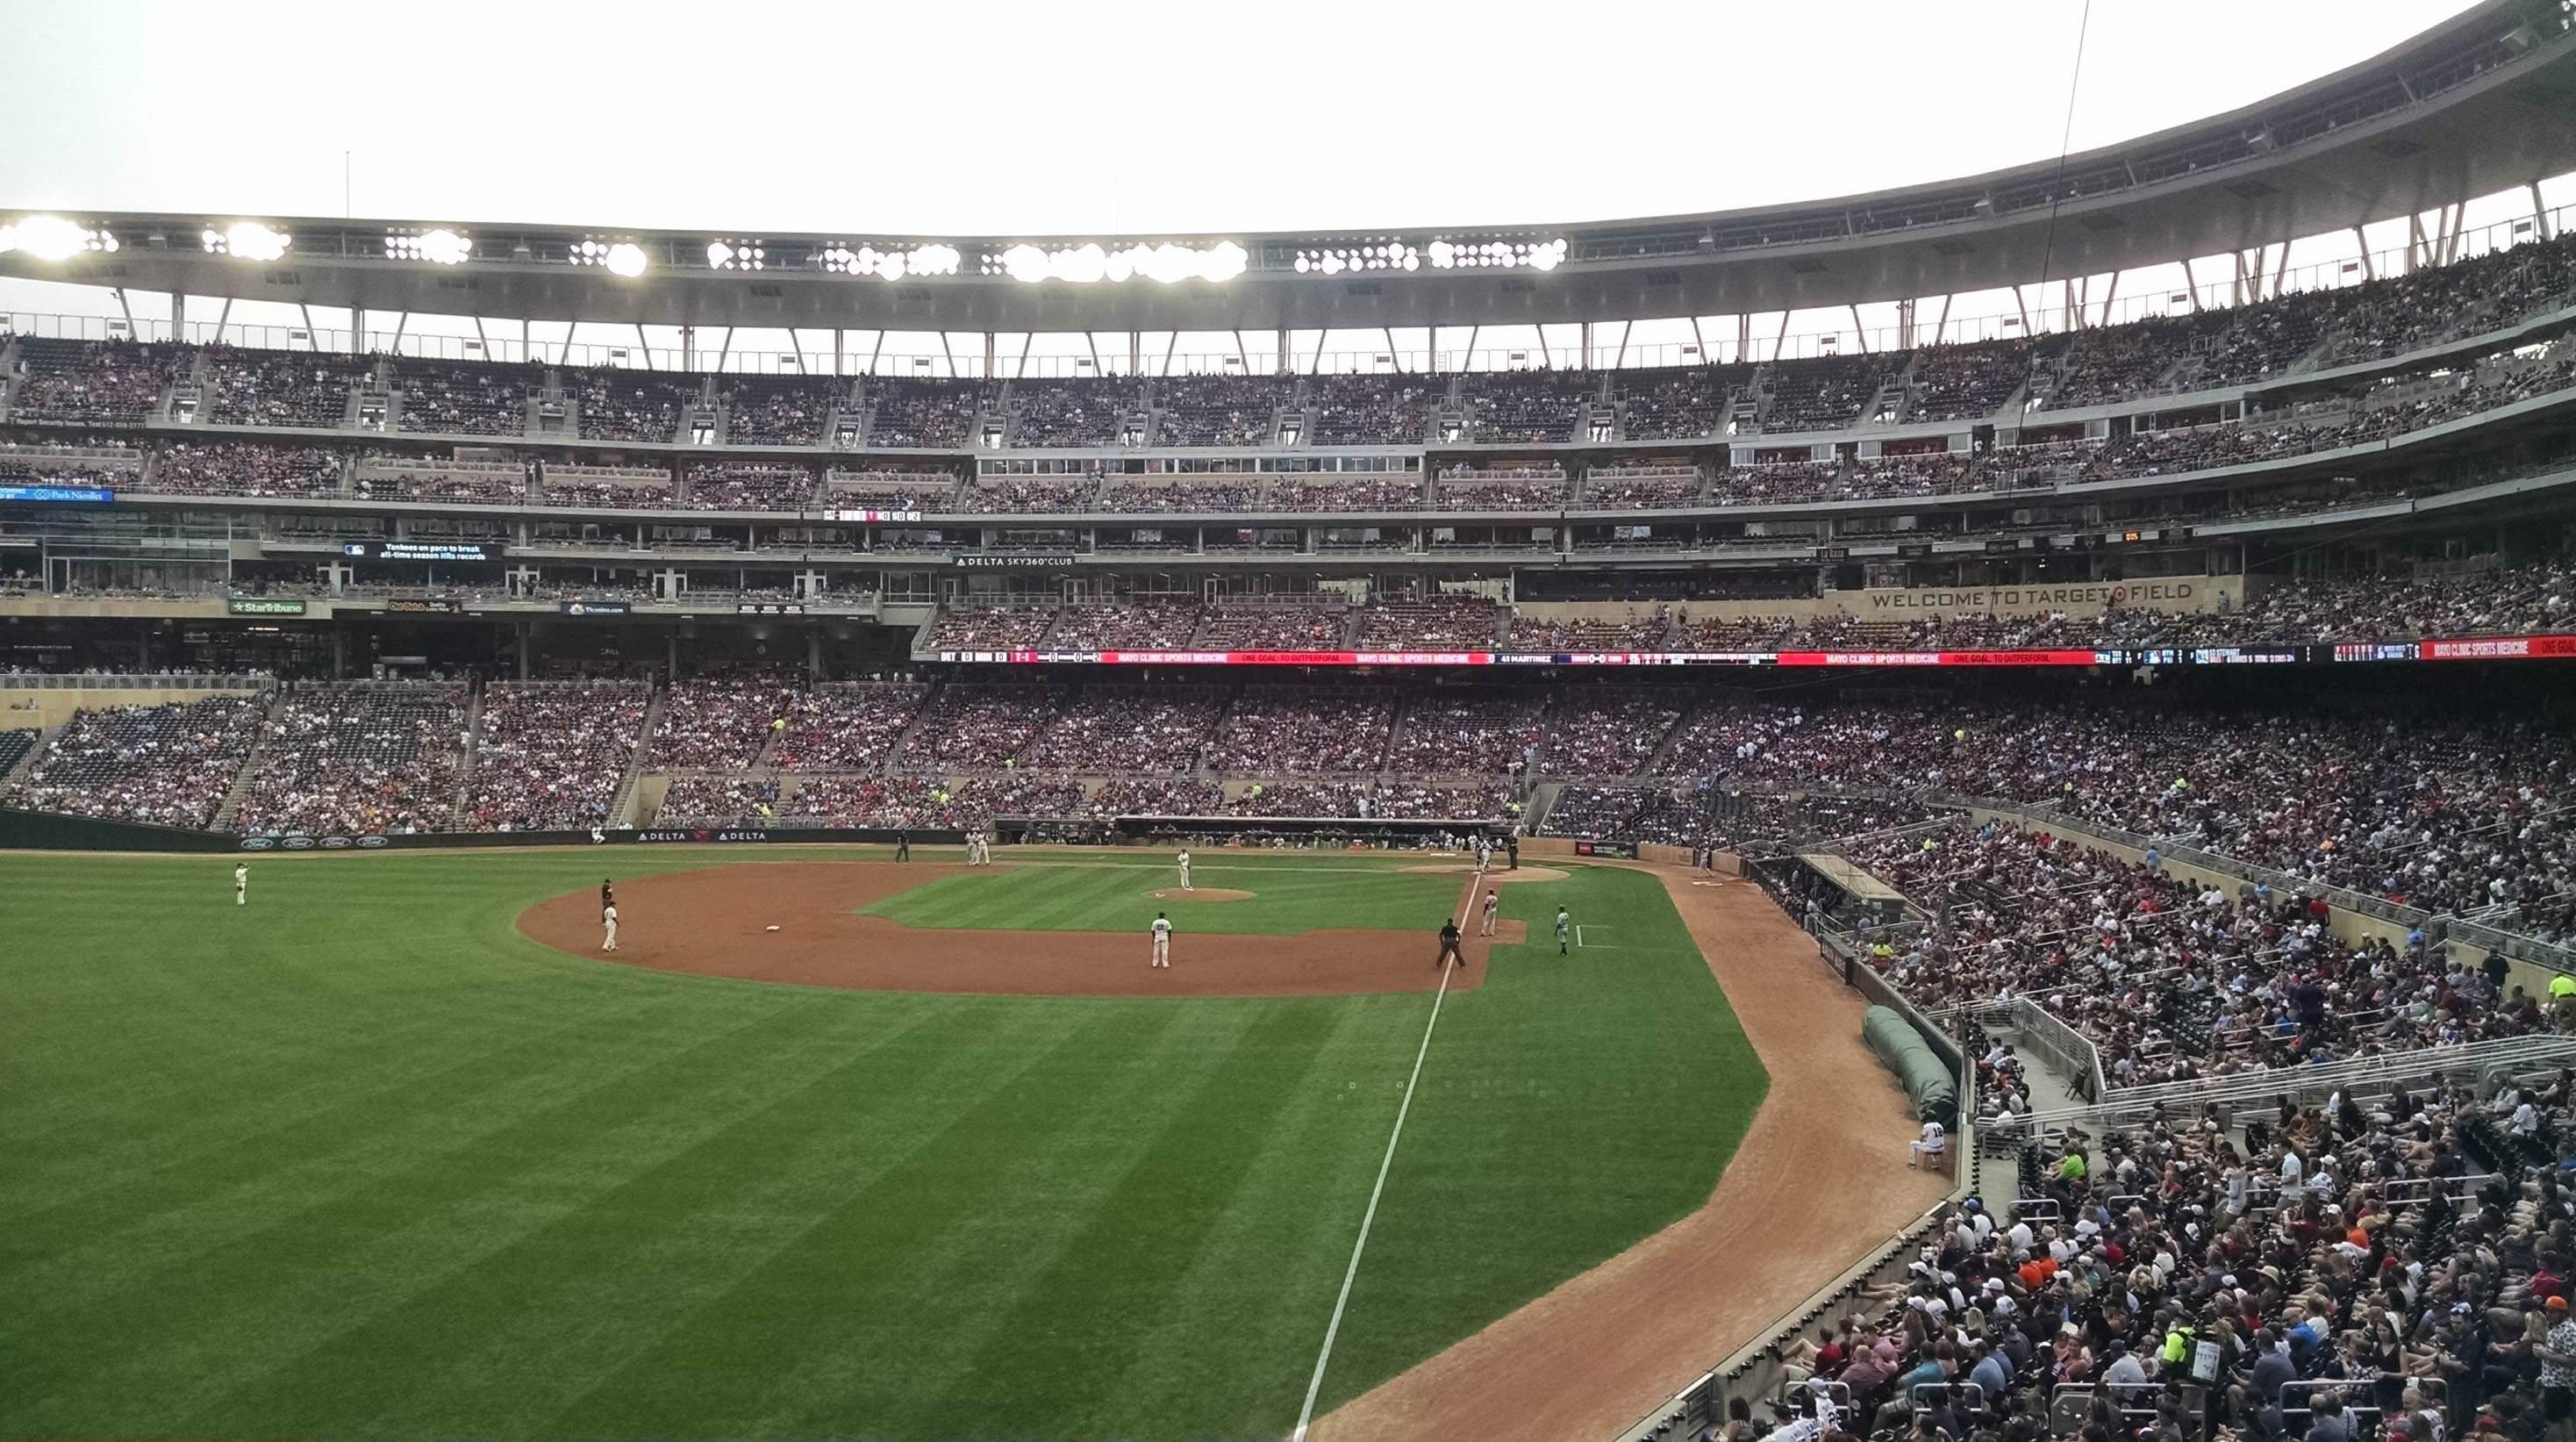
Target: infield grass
column 1291, row 894
column 359, row 1160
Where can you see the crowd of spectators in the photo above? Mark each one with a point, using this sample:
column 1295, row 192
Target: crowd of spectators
column 1542, row 405
column 931, row 414
column 388, row 477
column 742, row 487
column 1128, row 626
column 1209, row 494
column 1646, row 632
column 106, row 383
column 1131, row 730
column 1360, row 410
column 466, row 400
column 244, row 468
column 1966, row 382
column 1491, row 733
column 1533, row 489
column 845, row 726
column 1070, row 412
column 991, row 626
column 617, row 404
column 1597, row 731
column 1825, row 393
column 279, row 388
column 168, row 765
column 1288, row 626
column 1283, row 730
column 1044, row 495
column 1371, row 493
column 1218, row 410
column 2393, row 1267
column 721, row 721
column 973, row 727
column 1684, row 403
column 777, row 411
column 1643, row 489
column 360, row 759
column 1439, row 623
column 718, row 798
column 549, row 756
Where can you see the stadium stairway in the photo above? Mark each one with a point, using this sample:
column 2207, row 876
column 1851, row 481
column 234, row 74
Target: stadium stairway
column 621, row 803
column 465, row 761
column 27, row 759
column 228, row 814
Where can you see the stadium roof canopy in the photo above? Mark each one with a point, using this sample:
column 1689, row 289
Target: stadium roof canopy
column 2483, row 103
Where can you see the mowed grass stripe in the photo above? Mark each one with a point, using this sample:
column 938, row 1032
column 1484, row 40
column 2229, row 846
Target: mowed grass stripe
column 1072, row 1335
column 855, row 1280
column 565, row 1270
column 273, row 1270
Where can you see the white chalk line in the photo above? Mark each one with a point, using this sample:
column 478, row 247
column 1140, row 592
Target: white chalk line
column 1315, row 1384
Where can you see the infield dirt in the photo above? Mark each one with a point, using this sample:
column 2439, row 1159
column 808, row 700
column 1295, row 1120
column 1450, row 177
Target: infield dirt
column 714, row 922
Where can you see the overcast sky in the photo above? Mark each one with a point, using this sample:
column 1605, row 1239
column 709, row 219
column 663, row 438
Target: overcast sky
column 1114, row 117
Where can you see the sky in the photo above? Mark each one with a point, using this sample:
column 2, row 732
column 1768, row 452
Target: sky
column 1117, row 117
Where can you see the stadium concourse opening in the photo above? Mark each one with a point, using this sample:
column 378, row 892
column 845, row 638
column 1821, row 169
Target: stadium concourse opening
column 717, row 922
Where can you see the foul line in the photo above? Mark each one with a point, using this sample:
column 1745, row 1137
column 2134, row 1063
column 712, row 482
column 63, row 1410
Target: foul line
column 1315, row 1384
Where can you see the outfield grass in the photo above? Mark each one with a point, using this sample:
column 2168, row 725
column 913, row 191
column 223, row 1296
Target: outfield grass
column 359, row 1160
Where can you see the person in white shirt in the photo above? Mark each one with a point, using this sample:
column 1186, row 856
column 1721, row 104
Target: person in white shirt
column 241, row 883
column 1933, row 1144
column 1185, row 872
column 1493, row 904
column 608, row 919
column 1163, row 937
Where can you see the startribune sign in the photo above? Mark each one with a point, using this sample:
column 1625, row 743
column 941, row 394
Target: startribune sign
column 254, row 606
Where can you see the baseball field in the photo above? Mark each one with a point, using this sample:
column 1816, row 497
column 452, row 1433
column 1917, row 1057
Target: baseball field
column 381, row 1154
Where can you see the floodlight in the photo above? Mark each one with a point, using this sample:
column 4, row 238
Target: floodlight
column 247, row 240
column 626, row 258
column 50, row 237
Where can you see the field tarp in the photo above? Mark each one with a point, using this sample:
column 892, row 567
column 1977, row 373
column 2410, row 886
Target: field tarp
column 1927, row 1080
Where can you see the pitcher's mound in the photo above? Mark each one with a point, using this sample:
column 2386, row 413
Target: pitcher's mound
column 1496, row 873
column 1204, row 893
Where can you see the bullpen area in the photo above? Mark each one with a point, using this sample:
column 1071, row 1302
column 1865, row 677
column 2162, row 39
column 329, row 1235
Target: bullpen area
column 394, row 1150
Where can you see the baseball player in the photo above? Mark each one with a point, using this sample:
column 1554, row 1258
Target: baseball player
column 1493, row 904
column 1449, row 951
column 1185, row 871
column 241, row 883
column 608, row 918
column 1484, row 854
column 1162, row 941
column 1564, row 928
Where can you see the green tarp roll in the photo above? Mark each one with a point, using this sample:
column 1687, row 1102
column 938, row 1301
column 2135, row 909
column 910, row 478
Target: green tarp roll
column 1906, row 1053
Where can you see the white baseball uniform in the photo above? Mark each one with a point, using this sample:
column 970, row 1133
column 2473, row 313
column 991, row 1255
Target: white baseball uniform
column 1162, row 942
column 241, row 883
column 608, row 918
column 1493, row 903
column 1185, row 872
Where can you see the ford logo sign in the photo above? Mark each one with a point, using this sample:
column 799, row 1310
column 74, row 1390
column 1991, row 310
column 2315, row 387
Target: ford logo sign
column 256, row 843
column 335, row 843
column 371, row 841
column 297, row 843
